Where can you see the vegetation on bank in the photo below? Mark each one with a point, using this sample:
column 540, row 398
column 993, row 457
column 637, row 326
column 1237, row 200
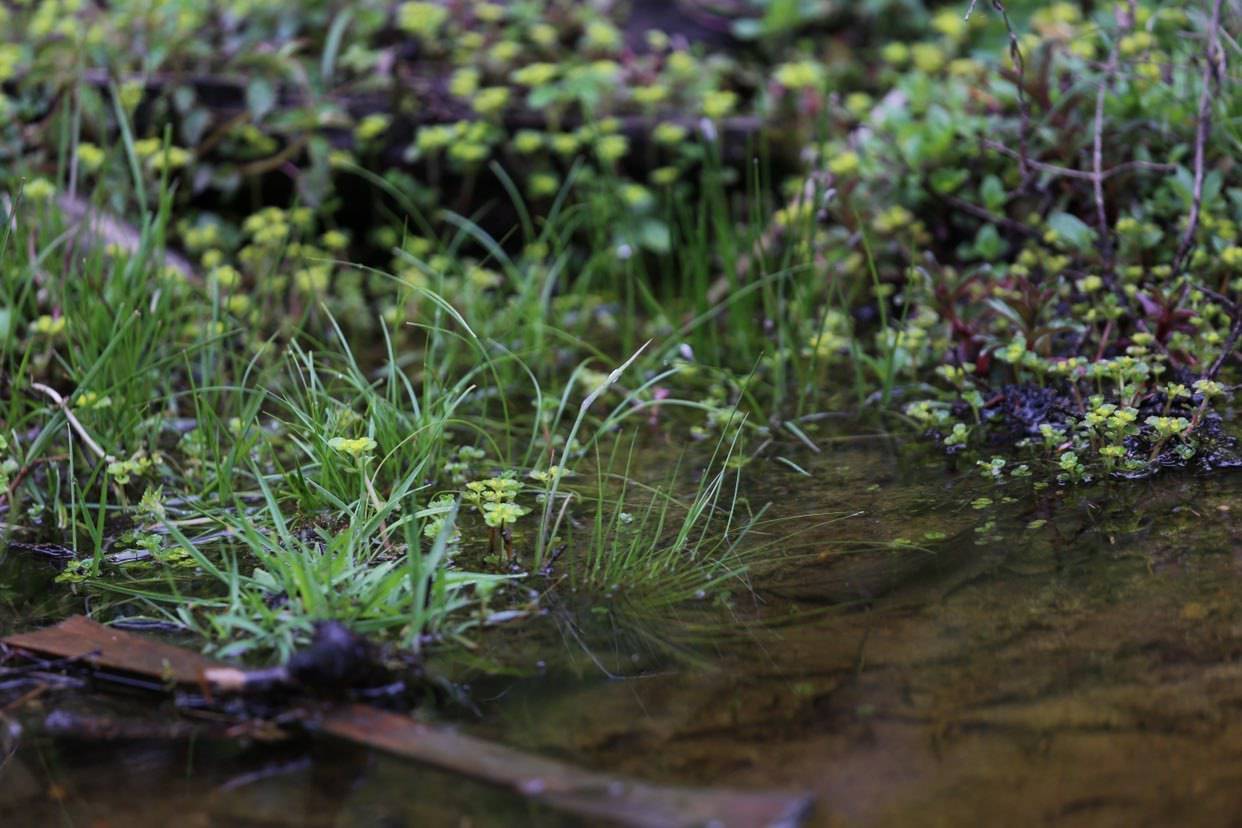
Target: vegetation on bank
column 365, row 311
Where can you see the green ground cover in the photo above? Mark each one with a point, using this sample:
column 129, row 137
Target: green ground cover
column 374, row 312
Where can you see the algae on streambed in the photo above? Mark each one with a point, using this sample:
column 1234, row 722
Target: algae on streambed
column 952, row 652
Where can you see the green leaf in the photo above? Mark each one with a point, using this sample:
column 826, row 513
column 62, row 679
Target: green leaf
column 747, row 28
column 653, row 234
column 988, row 243
column 260, row 98
column 782, row 15
column 1072, row 230
column 332, row 45
column 992, row 191
column 946, row 180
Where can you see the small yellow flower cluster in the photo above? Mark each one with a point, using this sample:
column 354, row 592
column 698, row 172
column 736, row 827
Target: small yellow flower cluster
column 138, row 464
column 550, row 475
column 535, row 75
column 90, row 157
column 649, row 95
column 494, row 498
column 48, row 325
column 422, row 20
column 356, row 447
column 372, row 127
column 92, row 401
column 800, row 74
column 1166, row 427
column 602, row 36
column 490, row 101
column 611, row 148
column 38, row 190
column 719, row 103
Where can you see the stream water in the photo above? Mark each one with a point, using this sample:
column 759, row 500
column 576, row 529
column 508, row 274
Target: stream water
column 955, row 652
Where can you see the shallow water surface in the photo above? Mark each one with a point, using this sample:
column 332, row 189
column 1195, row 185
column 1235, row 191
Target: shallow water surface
column 955, row 652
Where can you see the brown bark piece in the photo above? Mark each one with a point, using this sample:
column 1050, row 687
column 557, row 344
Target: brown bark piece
column 80, row 638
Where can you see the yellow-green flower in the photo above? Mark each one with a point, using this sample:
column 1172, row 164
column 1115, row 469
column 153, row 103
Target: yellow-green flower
column 468, row 152
column 683, row 64
column 928, row 57
column 10, row 59
column 527, row 141
column 552, row 474
column 131, row 94
column 536, row 74
column 489, row 12
column 491, row 101
column 90, row 157
column 225, row 276
column 1209, row 388
column 1135, row 43
column 237, row 304
column 895, row 53
column 1090, row 283
column 650, row 95
column 358, row 446
column 146, row 147
column 635, row 196
column 669, row 133
column 464, row 82
column 664, row 176
column 1168, row 426
column 799, row 74
column 334, row 240
column 543, row 184
column 602, row 35
column 844, row 164
column 503, row 513
column 611, row 148
column 433, row 138
column 564, row 143
column 543, row 34
column 859, row 104
column 951, row 23
column 173, row 158
column 39, row 190
column 92, row 400
column 48, row 325
column 372, row 127
column 505, row 52
column 719, row 103
column 483, row 278
column 421, row 19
